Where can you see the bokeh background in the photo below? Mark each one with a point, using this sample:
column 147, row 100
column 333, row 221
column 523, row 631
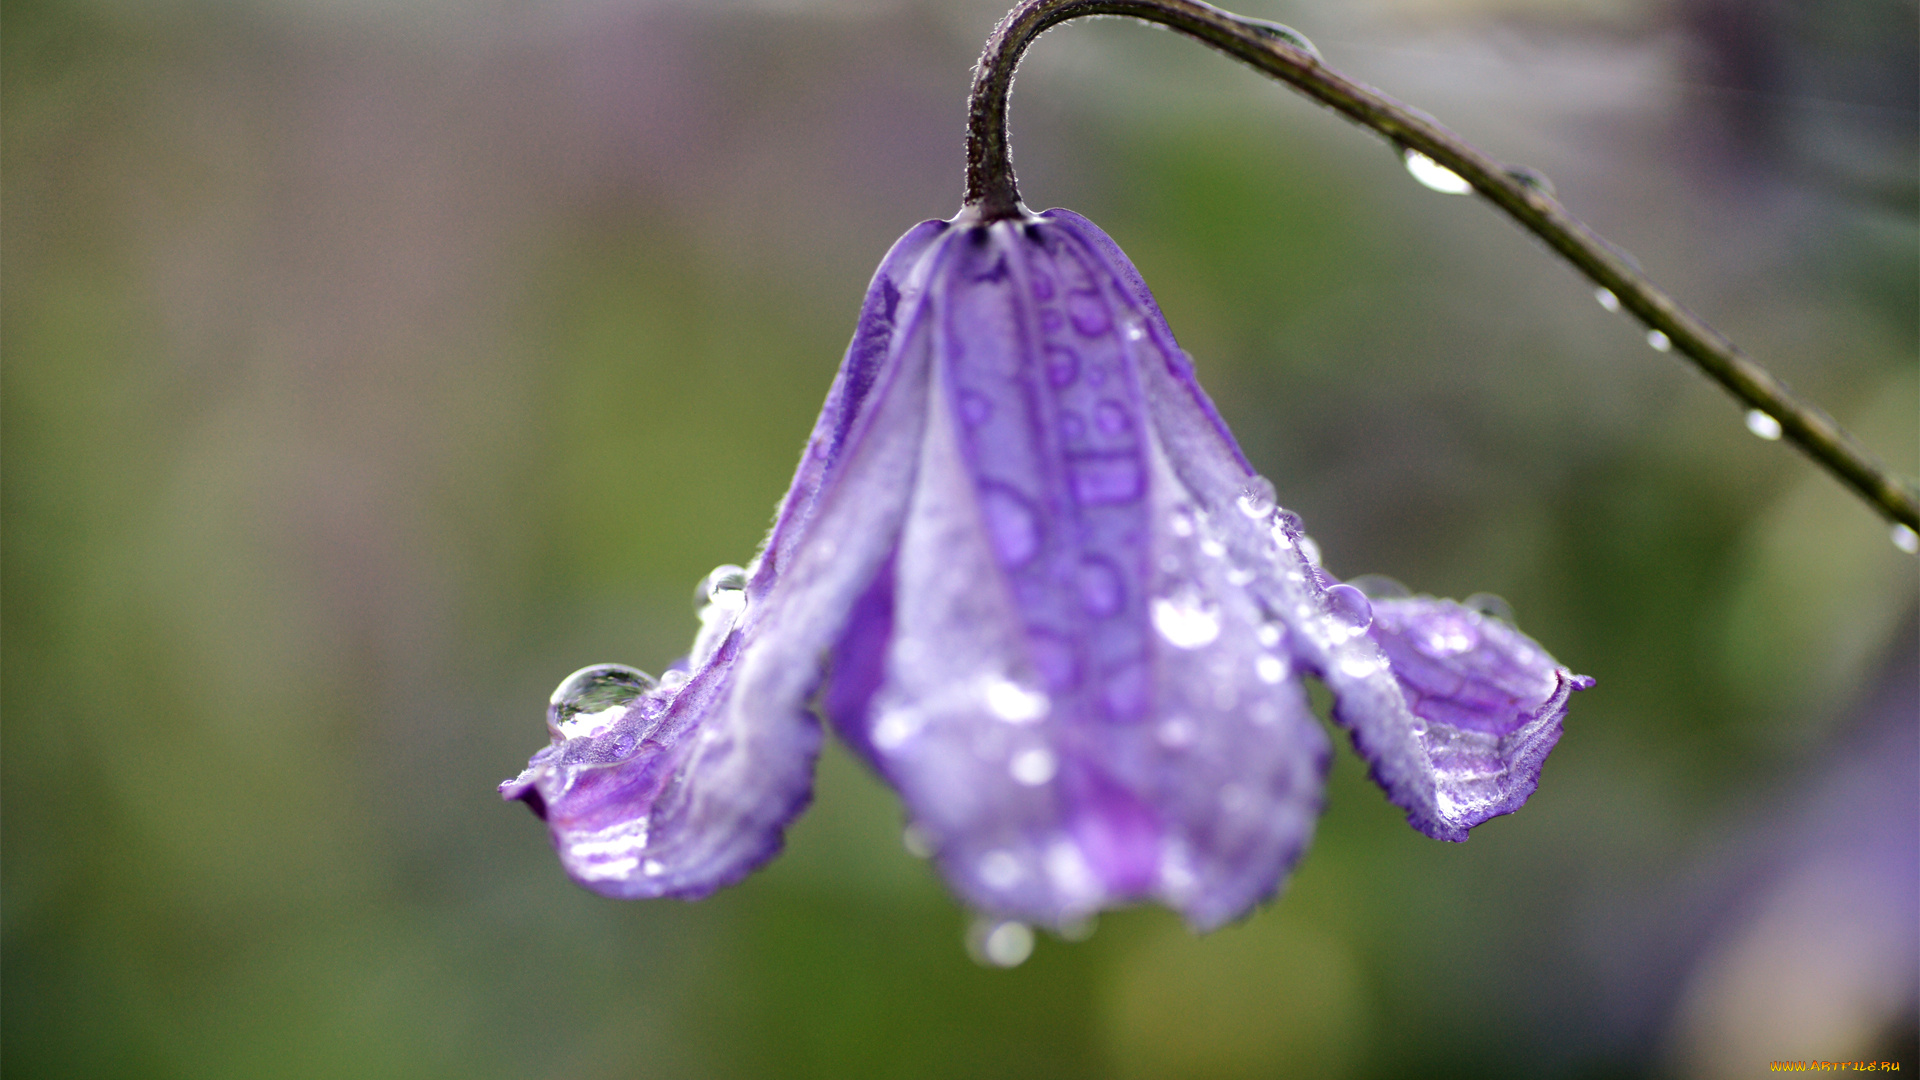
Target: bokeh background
column 370, row 366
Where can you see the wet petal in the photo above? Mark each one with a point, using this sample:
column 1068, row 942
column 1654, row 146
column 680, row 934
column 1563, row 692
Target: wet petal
column 1076, row 704
column 692, row 787
column 1487, row 703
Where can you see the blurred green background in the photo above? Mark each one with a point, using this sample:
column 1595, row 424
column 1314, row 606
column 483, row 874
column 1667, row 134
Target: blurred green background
column 368, row 367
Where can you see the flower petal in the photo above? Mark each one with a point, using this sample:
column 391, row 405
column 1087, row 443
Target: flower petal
column 1076, row 704
column 691, row 788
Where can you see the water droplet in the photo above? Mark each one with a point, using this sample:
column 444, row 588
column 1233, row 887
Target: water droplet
column 894, row 729
column 1269, row 635
column 1380, row 587
column 1033, row 767
column 1284, row 34
column 1256, row 499
column 1111, row 418
column 1658, row 341
column 1136, row 332
column 1529, row 177
column 653, row 868
column 1063, row 365
column 1101, row 591
column 1000, row 944
column 1186, row 619
column 1270, row 669
column 1212, row 548
column 590, row 699
column 1607, row 299
column 1014, row 703
column 724, row 586
column 1434, row 175
column 1105, row 479
column 1000, row 870
column 1089, row 315
column 673, row 679
column 1762, row 423
column 1491, row 606
column 1238, row 576
column 1906, row 539
column 1180, row 523
column 918, row 842
column 1351, row 607
column 1012, row 527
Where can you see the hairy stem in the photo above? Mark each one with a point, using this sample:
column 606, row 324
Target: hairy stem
column 992, row 194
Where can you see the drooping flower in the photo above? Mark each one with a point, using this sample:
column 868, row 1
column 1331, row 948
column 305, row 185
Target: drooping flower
column 1028, row 576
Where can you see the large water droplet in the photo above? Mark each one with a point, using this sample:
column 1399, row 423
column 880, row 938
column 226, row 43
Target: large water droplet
column 1491, row 606
column 1284, row 34
column 1762, row 423
column 589, row 700
column 1016, row 704
column 725, row 586
column 1906, row 539
column 1658, row 342
column 1186, row 619
column 1000, row 944
column 1351, row 607
column 1434, row 175
column 1256, row 499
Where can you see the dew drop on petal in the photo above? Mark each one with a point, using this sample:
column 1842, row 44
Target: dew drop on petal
column 1490, row 605
column 1033, row 767
column 1088, row 314
column 1063, row 365
column 1270, row 668
column 1269, row 635
column 1014, row 703
column 1762, row 423
column 975, row 409
column 725, row 586
column 1101, row 590
column 1256, row 499
column 1186, row 620
column 1906, row 539
column 1012, row 528
column 1105, row 479
column 1607, row 299
column 1434, row 175
column 1658, row 341
column 1111, row 418
column 1351, row 607
column 593, row 697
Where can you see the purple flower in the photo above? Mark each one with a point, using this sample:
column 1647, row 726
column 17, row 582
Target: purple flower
column 1026, row 573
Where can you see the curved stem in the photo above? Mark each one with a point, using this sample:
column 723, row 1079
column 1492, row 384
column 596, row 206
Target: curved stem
column 992, row 194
